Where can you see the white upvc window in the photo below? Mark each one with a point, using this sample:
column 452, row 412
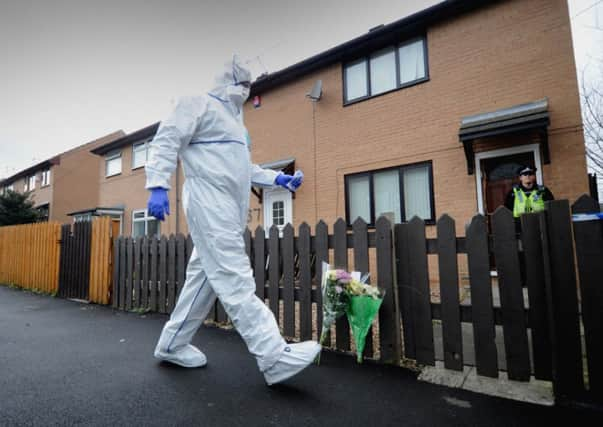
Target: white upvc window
column 144, row 224
column 113, row 163
column 403, row 191
column 394, row 67
column 45, row 177
column 140, row 154
column 31, row 183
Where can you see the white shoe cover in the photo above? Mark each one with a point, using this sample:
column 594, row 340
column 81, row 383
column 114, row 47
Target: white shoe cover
column 188, row 356
column 294, row 359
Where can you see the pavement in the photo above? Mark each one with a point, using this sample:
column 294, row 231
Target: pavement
column 68, row 363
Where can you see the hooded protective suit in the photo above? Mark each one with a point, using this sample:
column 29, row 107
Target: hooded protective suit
column 208, row 134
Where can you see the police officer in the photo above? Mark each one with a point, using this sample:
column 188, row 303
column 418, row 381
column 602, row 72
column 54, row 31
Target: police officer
column 528, row 195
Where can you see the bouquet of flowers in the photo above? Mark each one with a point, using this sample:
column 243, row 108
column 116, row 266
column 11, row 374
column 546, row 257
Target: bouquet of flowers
column 348, row 293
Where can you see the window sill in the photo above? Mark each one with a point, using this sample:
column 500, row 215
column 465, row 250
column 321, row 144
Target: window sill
column 404, row 86
column 115, row 174
column 138, row 167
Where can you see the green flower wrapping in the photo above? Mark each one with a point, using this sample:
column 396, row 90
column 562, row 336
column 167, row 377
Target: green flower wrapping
column 361, row 311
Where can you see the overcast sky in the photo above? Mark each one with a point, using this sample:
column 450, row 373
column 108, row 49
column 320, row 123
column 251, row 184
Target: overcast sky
column 75, row 70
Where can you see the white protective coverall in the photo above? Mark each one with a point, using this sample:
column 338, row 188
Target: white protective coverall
column 208, row 134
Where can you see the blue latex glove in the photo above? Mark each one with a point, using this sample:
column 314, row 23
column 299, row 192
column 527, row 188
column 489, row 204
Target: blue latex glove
column 290, row 182
column 158, row 203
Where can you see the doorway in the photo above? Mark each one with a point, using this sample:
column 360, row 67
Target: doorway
column 495, row 173
column 277, row 209
column 499, row 174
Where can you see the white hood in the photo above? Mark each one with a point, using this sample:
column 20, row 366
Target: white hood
column 228, row 86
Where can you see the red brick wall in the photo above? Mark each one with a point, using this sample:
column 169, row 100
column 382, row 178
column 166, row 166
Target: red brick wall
column 499, row 56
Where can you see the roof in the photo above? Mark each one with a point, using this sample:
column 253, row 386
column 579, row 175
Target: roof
column 25, row 172
column 56, row 160
column 145, row 132
column 375, row 39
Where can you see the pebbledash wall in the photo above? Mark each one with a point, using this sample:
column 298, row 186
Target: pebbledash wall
column 499, row 55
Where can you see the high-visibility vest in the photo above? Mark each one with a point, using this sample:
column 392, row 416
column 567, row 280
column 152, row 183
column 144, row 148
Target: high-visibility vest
column 525, row 204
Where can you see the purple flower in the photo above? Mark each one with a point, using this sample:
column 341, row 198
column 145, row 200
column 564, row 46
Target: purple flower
column 343, row 275
column 338, row 289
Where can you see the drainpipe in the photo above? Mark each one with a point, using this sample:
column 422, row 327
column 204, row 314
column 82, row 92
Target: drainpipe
column 177, row 197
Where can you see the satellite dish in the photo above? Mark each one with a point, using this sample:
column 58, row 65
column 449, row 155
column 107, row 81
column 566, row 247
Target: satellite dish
column 316, row 91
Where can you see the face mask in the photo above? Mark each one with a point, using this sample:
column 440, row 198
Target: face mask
column 237, row 94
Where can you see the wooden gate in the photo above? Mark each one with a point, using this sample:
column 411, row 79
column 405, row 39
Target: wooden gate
column 74, row 277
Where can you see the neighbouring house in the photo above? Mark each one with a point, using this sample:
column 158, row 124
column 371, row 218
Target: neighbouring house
column 122, row 186
column 36, row 179
column 428, row 115
column 62, row 184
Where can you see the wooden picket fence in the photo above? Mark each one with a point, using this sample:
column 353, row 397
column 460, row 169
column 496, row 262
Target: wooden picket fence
column 72, row 260
column 540, row 333
column 29, row 256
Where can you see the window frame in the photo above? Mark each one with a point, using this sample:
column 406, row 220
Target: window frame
column 112, row 156
column 45, row 174
column 400, row 169
column 367, row 58
column 144, row 219
column 31, row 187
column 146, row 144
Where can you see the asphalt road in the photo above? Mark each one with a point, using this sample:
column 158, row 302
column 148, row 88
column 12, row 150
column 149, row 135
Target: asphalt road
column 67, row 363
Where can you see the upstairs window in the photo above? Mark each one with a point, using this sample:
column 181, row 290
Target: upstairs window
column 113, row 164
column 31, row 183
column 140, row 154
column 383, row 71
column 46, row 177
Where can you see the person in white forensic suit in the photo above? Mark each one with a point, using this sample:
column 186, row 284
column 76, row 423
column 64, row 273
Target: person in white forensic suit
column 207, row 133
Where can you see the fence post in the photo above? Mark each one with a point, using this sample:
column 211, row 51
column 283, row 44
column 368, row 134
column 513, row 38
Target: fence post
column 322, row 255
column 288, row 297
column 533, row 249
column 484, row 332
column 568, row 380
column 511, row 295
column 420, row 292
column 274, row 273
column 361, row 263
column 589, row 253
column 389, row 317
column 404, row 289
column 449, row 292
column 342, row 329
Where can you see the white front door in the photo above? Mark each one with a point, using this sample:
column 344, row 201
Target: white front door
column 277, row 209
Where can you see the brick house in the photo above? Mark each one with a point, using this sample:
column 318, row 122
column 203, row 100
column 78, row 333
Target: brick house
column 62, row 184
column 121, row 182
column 428, row 115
